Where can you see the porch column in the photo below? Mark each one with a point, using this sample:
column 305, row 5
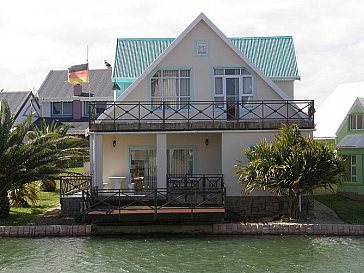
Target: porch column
column 97, row 155
column 161, row 160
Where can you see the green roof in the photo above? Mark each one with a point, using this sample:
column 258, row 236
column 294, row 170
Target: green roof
column 275, row 56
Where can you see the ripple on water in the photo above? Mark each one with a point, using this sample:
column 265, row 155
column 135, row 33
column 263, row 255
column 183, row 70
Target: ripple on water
column 183, row 254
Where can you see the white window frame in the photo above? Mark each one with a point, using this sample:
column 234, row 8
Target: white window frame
column 241, row 78
column 62, row 108
column 354, row 118
column 177, row 101
column 353, row 168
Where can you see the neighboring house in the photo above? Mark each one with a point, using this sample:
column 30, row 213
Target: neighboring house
column 21, row 103
column 350, row 144
column 187, row 107
column 67, row 103
column 334, row 109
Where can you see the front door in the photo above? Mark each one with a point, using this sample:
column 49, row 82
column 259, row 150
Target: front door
column 143, row 169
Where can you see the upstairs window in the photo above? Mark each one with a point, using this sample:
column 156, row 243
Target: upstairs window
column 100, row 108
column 356, row 122
column 233, row 85
column 172, row 87
column 61, row 108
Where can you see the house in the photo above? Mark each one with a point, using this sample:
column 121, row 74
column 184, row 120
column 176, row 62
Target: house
column 334, row 110
column 185, row 110
column 350, row 144
column 67, row 103
column 21, row 103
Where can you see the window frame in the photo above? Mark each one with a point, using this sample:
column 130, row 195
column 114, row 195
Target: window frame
column 241, row 76
column 179, row 100
column 353, row 121
column 62, row 109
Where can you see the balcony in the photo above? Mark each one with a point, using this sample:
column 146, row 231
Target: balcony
column 200, row 115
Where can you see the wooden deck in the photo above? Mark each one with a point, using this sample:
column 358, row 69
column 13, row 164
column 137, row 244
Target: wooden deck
column 148, row 214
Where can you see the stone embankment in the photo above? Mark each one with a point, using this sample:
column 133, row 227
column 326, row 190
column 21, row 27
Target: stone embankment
column 213, row 229
column 45, row 231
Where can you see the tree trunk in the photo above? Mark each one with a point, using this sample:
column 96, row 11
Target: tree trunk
column 293, row 208
column 4, row 203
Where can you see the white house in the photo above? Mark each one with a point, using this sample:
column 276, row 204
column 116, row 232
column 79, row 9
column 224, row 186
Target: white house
column 187, row 107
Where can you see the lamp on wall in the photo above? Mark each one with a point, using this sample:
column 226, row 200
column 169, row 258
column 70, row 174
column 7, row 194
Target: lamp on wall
column 207, row 142
column 114, row 143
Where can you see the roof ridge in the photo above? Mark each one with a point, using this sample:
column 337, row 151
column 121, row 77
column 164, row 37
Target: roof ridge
column 247, row 37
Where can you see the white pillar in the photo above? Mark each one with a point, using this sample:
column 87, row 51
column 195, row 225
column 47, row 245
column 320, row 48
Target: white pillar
column 98, row 161
column 161, row 160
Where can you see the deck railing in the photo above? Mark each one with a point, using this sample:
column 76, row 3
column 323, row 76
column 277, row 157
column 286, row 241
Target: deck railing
column 74, row 183
column 137, row 114
column 94, row 199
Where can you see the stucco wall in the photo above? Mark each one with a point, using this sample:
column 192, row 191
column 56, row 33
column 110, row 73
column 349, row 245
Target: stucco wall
column 286, row 86
column 116, row 159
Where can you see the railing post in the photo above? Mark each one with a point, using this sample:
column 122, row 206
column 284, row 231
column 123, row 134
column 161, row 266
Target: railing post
column 139, row 113
column 287, row 112
column 155, row 203
column 114, row 119
column 164, row 113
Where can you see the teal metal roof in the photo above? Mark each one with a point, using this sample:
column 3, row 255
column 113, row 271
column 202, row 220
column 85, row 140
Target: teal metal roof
column 275, row 56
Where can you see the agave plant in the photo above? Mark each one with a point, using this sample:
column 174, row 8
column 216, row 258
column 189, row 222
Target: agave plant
column 291, row 165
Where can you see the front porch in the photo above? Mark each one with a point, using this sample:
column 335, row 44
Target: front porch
column 188, row 199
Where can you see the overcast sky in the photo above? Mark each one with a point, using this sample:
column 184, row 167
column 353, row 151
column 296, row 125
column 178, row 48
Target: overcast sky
column 39, row 35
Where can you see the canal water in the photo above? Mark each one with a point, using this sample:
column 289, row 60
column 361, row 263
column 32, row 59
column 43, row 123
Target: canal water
column 183, row 254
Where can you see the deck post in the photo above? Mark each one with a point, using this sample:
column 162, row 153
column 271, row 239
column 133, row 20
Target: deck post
column 161, row 160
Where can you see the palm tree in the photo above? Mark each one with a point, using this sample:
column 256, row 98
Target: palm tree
column 292, row 165
column 23, row 161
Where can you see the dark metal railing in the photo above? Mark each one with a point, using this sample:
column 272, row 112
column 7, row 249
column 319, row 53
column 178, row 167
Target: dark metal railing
column 94, row 199
column 195, row 181
column 173, row 112
column 74, row 183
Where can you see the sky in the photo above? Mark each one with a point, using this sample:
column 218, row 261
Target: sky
column 38, row 36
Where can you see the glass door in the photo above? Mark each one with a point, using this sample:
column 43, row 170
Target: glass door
column 232, row 97
column 143, row 169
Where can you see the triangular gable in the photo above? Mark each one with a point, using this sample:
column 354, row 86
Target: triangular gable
column 203, row 18
column 358, row 102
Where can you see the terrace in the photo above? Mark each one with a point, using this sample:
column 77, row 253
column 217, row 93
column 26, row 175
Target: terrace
column 200, row 115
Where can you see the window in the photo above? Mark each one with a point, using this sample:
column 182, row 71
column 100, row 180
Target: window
column 233, row 85
column 171, row 87
column 100, row 108
column 356, row 122
column 180, row 161
column 143, row 168
column 62, row 108
column 350, row 174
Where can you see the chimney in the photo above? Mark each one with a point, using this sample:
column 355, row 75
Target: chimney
column 77, row 90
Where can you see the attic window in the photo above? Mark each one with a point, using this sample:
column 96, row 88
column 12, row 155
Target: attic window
column 201, row 48
column 356, row 122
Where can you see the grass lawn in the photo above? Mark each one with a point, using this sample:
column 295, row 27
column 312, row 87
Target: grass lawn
column 350, row 211
column 21, row 216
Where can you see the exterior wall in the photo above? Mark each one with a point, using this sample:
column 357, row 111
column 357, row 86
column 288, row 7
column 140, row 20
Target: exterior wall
column 116, row 159
column 287, row 86
column 358, row 186
column 183, row 56
column 46, row 109
column 233, row 145
column 345, row 126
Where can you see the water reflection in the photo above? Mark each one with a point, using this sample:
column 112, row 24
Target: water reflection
column 183, row 254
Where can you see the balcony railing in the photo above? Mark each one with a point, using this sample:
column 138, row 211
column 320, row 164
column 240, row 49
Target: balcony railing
column 203, row 115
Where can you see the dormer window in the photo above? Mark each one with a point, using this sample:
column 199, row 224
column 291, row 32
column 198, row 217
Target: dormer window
column 356, row 122
column 172, row 87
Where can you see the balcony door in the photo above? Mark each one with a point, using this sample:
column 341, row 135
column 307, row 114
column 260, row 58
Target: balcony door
column 235, row 87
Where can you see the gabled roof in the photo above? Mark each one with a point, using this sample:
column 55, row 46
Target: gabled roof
column 358, row 102
column 16, row 100
column 228, row 43
column 334, row 109
column 56, row 87
column 275, row 56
